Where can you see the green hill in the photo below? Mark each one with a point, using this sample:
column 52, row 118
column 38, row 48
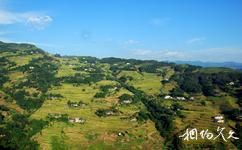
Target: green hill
column 72, row 102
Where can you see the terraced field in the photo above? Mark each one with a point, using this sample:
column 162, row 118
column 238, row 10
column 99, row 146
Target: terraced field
column 121, row 103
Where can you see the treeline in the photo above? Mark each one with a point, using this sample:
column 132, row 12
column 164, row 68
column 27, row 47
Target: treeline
column 40, row 76
column 113, row 60
column 17, row 133
column 106, row 90
column 207, row 83
column 78, row 78
column 150, row 66
column 162, row 116
column 5, row 66
column 41, row 73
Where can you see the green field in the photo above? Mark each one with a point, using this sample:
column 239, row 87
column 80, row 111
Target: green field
column 39, row 85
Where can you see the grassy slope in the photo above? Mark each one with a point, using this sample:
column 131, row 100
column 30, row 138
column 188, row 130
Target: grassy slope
column 102, row 132
column 147, row 82
column 103, row 129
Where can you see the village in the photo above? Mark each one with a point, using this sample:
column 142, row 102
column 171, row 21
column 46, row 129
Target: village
column 167, row 97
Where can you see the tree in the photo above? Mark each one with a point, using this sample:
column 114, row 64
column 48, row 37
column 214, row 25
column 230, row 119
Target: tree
column 177, row 92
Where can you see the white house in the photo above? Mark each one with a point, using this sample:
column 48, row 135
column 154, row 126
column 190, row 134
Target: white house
column 128, row 101
column 75, row 105
column 239, row 117
column 76, row 120
column 133, row 119
column 168, row 97
column 109, row 113
column 56, row 116
column 219, row 119
column 191, row 98
column 181, row 98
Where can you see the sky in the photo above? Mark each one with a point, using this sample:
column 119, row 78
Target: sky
column 188, row 30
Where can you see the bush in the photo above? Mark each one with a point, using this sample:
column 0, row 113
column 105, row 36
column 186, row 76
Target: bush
column 143, row 115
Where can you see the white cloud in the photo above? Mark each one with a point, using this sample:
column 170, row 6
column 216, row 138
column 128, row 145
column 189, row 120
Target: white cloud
column 33, row 19
column 141, row 52
column 159, row 54
column 131, row 42
column 173, row 54
column 9, row 17
column 39, row 22
column 195, row 40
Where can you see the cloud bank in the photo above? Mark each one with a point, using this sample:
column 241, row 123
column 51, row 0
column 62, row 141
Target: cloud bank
column 158, row 54
column 33, row 19
column 195, row 40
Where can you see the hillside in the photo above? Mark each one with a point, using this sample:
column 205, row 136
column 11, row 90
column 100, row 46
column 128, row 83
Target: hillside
column 48, row 101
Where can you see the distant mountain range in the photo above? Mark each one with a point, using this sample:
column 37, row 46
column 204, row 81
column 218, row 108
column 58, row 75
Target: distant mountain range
column 233, row 65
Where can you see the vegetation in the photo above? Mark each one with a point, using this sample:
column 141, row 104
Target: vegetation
column 38, row 92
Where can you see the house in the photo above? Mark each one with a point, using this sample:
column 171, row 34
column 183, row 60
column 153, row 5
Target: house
column 127, row 63
column 166, row 79
column 168, row 97
column 109, row 113
column 128, row 101
column 31, row 67
column 77, row 120
column 2, row 135
column 191, row 98
column 55, row 116
column 219, row 119
column 120, row 134
column 74, row 105
column 181, row 98
column 133, row 119
column 239, row 117
column 231, row 83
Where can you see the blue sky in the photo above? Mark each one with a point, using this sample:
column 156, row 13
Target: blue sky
column 205, row 30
